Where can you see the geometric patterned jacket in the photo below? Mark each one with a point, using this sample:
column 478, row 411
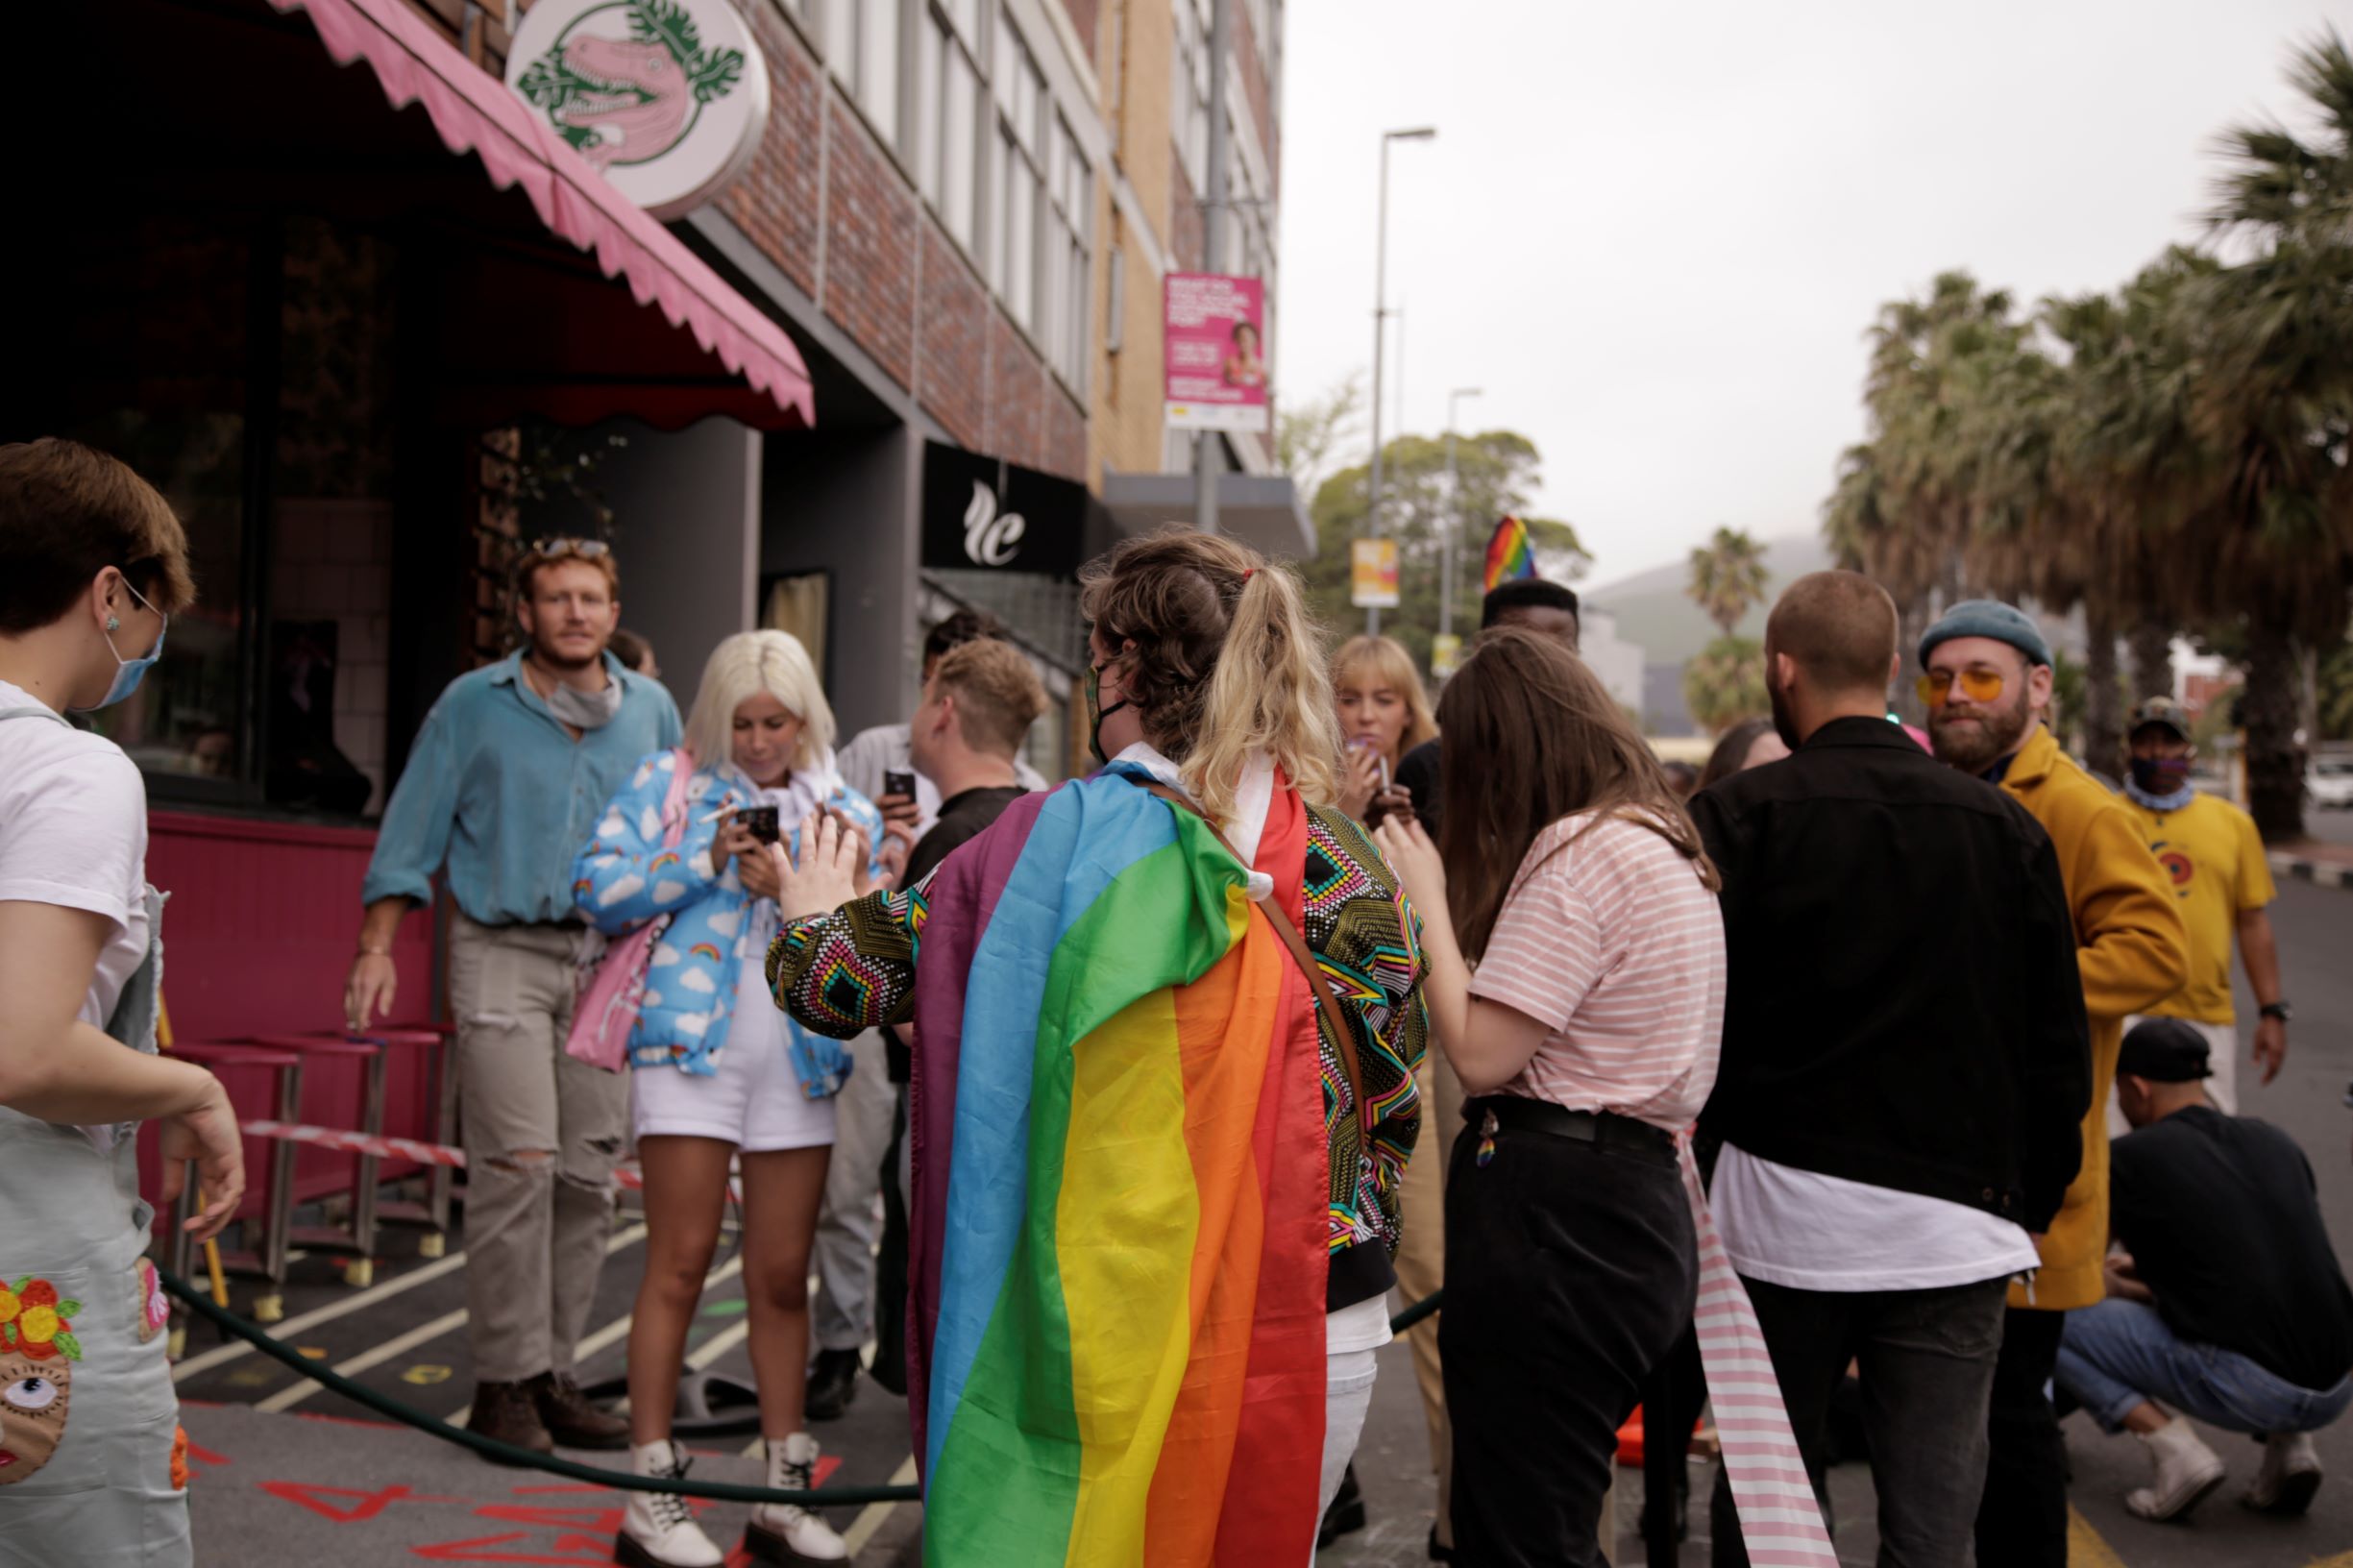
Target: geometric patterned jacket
column 1366, row 939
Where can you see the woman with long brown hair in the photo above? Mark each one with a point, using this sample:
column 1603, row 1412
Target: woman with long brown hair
column 1156, row 1157
column 1586, row 1042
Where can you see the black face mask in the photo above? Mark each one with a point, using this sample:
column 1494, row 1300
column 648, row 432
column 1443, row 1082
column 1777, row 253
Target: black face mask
column 1097, row 713
column 2161, row 775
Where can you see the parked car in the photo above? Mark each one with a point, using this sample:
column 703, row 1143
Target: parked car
column 2330, row 783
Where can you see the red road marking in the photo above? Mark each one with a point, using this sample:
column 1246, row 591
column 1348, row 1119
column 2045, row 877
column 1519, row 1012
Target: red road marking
column 313, row 1498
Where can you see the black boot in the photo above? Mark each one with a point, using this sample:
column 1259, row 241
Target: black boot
column 833, row 1383
column 1346, row 1512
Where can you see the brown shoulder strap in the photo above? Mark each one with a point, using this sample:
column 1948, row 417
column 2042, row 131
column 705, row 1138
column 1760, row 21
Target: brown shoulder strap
column 1343, row 1037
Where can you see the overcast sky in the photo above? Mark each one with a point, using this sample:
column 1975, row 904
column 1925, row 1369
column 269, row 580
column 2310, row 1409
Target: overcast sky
column 1654, row 234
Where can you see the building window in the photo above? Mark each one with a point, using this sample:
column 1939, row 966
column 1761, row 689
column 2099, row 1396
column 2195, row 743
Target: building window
column 1188, row 92
column 1020, row 195
column 861, row 46
column 1069, row 208
column 947, row 106
column 1114, row 309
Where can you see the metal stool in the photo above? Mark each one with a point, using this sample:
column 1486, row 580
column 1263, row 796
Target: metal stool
column 434, row 1213
column 359, row 1242
column 268, row 1260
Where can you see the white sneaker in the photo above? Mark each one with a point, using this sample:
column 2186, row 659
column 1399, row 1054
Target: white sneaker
column 780, row 1533
column 658, row 1529
column 2187, row 1470
column 2290, row 1474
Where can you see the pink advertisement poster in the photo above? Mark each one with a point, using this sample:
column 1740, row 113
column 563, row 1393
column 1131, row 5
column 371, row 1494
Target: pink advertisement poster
column 1216, row 341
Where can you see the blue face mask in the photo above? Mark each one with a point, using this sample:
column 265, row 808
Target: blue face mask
column 129, row 672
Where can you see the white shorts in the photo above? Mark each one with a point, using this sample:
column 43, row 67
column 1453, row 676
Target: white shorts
column 753, row 1102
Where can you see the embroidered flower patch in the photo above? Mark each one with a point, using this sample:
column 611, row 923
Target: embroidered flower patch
column 37, row 1350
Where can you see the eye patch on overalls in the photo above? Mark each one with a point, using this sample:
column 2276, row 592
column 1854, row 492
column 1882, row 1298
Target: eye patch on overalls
column 37, row 1350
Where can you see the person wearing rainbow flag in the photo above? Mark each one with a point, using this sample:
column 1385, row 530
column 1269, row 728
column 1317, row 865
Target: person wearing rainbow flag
column 1167, row 1021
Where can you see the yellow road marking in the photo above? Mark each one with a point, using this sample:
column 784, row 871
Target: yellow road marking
column 2084, row 1547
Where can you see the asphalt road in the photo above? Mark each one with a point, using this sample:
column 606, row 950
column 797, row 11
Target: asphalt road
column 407, row 1336
column 2316, row 932
column 2329, row 826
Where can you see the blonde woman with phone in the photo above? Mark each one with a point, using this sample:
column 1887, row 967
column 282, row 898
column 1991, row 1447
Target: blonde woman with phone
column 719, row 1076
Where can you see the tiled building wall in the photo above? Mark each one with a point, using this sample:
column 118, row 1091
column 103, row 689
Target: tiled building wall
column 870, row 248
column 777, row 204
column 955, row 341
column 332, row 560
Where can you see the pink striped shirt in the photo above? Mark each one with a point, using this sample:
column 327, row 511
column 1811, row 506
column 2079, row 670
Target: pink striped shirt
column 1617, row 947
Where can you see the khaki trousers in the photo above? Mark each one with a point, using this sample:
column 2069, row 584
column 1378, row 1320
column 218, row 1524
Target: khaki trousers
column 1421, row 1255
column 543, row 1132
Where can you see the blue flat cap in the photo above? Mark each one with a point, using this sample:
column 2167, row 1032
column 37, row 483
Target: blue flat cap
column 1989, row 618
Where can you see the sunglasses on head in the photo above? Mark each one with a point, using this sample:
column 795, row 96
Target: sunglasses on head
column 1977, row 685
column 555, row 549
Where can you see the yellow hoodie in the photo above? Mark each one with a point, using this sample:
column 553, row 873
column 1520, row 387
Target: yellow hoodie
column 2133, row 952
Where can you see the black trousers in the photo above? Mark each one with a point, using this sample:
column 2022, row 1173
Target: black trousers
column 891, row 1264
column 1927, row 1361
column 2023, row 1518
column 1571, row 1269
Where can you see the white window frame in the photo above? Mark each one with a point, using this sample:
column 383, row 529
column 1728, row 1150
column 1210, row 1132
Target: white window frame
column 947, row 131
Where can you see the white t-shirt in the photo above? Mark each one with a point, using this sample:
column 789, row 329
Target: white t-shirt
column 73, row 832
column 1810, row 1232
column 1365, row 1326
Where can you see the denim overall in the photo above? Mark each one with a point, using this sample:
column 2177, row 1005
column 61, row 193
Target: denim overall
column 87, row 1411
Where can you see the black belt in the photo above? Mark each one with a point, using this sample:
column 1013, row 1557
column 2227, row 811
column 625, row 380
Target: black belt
column 1604, row 1130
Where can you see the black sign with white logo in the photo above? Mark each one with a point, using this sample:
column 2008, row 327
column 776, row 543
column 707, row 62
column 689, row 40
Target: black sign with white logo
column 983, row 513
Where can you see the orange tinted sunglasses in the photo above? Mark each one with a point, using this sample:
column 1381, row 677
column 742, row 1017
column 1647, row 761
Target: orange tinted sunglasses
column 1977, row 685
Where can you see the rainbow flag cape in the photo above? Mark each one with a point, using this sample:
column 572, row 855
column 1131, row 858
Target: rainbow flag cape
column 1117, row 1287
column 1511, row 554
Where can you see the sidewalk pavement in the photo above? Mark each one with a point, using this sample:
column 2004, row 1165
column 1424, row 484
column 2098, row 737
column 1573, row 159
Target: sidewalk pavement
column 2314, row 860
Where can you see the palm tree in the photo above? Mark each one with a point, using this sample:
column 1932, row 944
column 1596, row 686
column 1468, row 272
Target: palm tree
column 2271, row 338
column 1727, row 575
column 2134, row 454
column 1725, row 683
column 1909, row 499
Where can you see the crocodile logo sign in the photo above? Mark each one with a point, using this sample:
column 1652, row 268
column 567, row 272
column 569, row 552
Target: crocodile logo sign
column 666, row 98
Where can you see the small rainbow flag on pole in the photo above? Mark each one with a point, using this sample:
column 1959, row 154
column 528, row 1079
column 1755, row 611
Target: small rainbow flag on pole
column 1511, row 554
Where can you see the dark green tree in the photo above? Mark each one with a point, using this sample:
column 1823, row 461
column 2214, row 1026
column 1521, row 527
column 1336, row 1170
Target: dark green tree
column 1498, row 472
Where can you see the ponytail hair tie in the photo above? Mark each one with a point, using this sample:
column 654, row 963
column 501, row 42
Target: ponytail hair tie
column 1246, row 572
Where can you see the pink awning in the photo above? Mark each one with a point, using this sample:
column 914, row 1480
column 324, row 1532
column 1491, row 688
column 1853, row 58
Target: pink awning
column 475, row 112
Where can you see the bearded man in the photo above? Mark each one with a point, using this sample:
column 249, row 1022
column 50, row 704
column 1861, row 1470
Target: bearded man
column 1987, row 684
column 507, row 780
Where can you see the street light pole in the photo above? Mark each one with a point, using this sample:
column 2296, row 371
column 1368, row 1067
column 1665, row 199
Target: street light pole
column 1213, row 244
column 1381, row 310
column 1454, row 517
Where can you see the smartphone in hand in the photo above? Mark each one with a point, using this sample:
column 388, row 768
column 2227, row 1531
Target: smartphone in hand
column 762, row 823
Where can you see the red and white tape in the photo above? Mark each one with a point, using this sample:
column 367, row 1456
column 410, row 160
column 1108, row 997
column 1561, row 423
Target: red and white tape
column 343, row 1141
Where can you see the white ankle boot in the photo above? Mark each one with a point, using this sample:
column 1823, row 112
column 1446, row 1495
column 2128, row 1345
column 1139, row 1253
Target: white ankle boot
column 779, row 1532
column 658, row 1530
column 2187, row 1470
column 2290, row 1474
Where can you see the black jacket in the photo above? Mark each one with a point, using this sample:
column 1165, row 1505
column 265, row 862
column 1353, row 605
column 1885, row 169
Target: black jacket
column 1903, row 1007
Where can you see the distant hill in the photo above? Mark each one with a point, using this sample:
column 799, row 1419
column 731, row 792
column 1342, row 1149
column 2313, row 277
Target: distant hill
column 1654, row 612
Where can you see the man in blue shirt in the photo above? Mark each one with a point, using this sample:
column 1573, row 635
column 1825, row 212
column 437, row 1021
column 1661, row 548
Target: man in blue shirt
column 503, row 785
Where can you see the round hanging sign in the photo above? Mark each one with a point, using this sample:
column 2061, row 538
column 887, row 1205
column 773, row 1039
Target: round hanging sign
column 666, row 98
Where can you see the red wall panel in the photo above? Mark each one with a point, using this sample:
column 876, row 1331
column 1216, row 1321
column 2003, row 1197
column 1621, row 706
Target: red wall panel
column 259, row 935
